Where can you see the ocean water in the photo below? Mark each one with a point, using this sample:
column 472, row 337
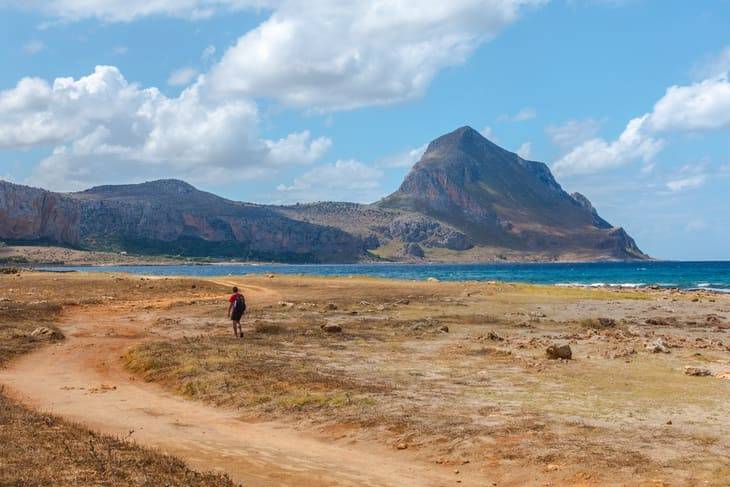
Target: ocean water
column 713, row 276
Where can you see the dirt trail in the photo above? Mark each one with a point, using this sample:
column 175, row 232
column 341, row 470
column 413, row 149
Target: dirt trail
column 82, row 379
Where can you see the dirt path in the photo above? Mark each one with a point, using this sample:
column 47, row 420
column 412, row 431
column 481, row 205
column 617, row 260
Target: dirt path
column 82, row 379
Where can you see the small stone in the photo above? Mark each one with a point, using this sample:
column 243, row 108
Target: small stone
column 402, row 446
column 669, row 422
column 332, row 328
column 432, row 279
column 555, row 352
column 444, row 329
column 697, row 371
column 44, row 333
column 658, row 346
column 331, row 306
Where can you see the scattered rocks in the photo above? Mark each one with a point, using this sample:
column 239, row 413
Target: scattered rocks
column 658, row 346
column 44, row 333
column 555, row 352
column 696, row 371
column 331, row 328
column 494, row 337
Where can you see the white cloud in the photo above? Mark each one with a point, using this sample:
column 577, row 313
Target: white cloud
column 488, row 133
column 690, row 182
column 182, row 76
column 128, row 10
column 701, row 106
column 34, row 47
column 573, row 132
column 104, row 129
column 121, row 50
column 404, row 159
column 696, row 226
column 329, row 55
column 527, row 113
column 596, row 154
column 525, row 150
column 348, row 180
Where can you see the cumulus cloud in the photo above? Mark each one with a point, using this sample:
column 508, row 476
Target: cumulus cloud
column 701, row 106
column 597, row 154
column 329, row 55
column 349, row 180
column 104, row 128
column 128, row 10
column 182, row 76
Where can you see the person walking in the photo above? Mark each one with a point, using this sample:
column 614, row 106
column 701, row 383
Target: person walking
column 236, row 308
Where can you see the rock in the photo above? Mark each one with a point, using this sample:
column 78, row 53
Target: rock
column 432, row 279
column 658, row 346
column 402, row 446
column 332, row 328
column 331, row 306
column 43, row 333
column 607, row 322
column 555, row 352
column 494, row 337
column 697, row 371
column 725, row 376
column 444, row 329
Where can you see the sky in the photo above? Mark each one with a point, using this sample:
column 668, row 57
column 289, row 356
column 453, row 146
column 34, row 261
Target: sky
column 283, row 101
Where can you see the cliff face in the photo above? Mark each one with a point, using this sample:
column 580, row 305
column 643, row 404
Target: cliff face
column 168, row 217
column 34, row 215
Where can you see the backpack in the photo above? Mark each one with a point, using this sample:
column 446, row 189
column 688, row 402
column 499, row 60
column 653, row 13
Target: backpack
column 239, row 305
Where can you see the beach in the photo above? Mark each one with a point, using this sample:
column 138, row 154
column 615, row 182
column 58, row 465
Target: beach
column 368, row 381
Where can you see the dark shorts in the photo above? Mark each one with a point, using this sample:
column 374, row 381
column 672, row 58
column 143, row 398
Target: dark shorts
column 236, row 316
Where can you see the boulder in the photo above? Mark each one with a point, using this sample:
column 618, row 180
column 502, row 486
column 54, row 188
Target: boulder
column 697, row 371
column 555, row 352
column 44, row 333
column 658, row 346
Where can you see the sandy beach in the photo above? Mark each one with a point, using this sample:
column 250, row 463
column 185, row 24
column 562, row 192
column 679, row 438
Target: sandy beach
column 361, row 381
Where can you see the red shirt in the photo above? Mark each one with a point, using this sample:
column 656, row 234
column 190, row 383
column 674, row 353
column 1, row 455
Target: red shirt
column 232, row 299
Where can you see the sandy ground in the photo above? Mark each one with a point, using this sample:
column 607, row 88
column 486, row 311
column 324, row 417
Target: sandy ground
column 477, row 405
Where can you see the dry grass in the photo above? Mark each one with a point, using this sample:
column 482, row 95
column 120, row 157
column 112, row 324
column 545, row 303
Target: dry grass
column 40, row 450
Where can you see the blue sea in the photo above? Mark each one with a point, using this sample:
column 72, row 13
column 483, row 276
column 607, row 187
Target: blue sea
column 714, row 276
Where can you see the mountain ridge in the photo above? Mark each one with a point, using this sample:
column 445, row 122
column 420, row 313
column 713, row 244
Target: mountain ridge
column 467, row 199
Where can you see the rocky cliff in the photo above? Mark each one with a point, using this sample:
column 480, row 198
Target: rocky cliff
column 168, row 217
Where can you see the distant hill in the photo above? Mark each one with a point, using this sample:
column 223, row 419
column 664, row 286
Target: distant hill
column 466, row 200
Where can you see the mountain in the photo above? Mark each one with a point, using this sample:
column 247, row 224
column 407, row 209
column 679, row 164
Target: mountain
column 467, row 199
column 167, row 217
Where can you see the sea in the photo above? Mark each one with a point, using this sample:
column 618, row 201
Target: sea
column 710, row 276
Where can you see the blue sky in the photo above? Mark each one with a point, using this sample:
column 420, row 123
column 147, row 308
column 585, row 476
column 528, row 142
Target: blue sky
column 283, row 100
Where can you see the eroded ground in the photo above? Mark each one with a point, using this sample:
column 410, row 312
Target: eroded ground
column 450, row 379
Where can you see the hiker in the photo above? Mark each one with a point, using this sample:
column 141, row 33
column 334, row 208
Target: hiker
column 236, row 308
